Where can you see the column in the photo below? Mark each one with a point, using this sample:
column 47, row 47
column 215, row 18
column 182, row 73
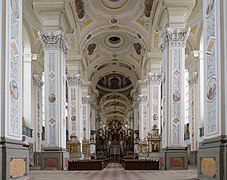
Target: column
column 173, row 54
column 86, row 126
column 38, row 83
column 143, row 129
column 55, row 49
column 154, row 101
column 194, row 106
column 213, row 149
column 86, row 118
column 74, row 106
column 14, row 158
column 93, row 130
column 136, row 116
column 142, row 105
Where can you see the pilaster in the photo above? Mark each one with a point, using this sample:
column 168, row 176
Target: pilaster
column 55, row 50
column 173, row 53
column 213, row 150
column 142, row 106
column 86, row 117
column 14, row 157
column 154, row 100
column 75, row 122
column 38, row 83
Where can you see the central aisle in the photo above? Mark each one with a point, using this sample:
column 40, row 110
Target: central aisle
column 113, row 171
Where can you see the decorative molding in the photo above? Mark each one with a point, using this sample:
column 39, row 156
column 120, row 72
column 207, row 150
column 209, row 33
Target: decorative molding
column 74, row 80
column 135, row 105
column 86, row 99
column 141, row 98
column 193, row 78
column 153, row 78
column 37, row 81
column 54, row 39
column 174, row 37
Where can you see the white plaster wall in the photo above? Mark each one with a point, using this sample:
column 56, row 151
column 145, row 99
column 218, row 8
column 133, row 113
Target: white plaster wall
column 27, row 91
column 1, row 69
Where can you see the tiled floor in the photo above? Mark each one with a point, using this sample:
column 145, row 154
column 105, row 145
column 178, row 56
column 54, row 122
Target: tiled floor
column 114, row 172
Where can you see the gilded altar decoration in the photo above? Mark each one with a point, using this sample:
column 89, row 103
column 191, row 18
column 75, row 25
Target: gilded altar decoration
column 74, row 148
column 154, row 141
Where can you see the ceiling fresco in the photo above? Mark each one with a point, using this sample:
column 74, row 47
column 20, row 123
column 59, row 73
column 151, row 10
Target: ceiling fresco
column 114, row 82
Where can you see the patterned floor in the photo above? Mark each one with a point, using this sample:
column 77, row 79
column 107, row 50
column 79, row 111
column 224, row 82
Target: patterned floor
column 114, row 172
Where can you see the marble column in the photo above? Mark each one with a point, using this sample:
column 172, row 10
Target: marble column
column 14, row 158
column 173, row 54
column 93, row 130
column 55, row 50
column 154, row 101
column 74, row 106
column 194, row 106
column 86, row 118
column 142, row 106
column 38, row 83
column 213, row 150
column 136, row 116
column 143, row 125
column 86, row 126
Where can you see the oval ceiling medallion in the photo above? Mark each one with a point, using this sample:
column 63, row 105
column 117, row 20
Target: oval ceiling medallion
column 114, row 4
column 114, row 41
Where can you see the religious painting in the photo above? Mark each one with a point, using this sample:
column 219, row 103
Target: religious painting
column 211, row 89
column 176, row 96
column 114, row 81
column 210, row 7
column 154, row 133
column 155, row 146
column 14, row 91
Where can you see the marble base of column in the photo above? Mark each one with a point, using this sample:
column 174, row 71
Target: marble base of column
column 212, row 156
column 54, row 159
column 174, row 158
column 192, row 158
column 14, row 160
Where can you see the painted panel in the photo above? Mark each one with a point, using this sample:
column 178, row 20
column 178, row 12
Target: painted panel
column 211, row 63
column 14, row 67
